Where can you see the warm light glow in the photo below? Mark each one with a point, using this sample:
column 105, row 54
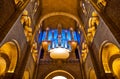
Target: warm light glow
column 92, row 74
column 59, row 53
column 59, row 50
column 2, row 65
column 26, row 75
column 59, row 77
column 108, row 51
column 11, row 50
column 116, row 67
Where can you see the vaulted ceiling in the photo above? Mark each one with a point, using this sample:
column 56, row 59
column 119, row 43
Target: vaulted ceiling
column 53, row 6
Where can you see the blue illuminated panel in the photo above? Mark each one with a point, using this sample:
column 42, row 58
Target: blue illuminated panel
column 55, row 34
column 63, row 44
column 49, row 47
column 66, row 44
column 74, row 36
column 63, row 41
column 44, row 36
column 49, row 35
column 69, row 38
column 53, row 44
column 78, row 37
column 40, row 37
column 63, row 36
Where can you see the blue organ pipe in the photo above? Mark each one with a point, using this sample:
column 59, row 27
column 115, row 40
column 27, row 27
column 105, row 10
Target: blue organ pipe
column 66, row 36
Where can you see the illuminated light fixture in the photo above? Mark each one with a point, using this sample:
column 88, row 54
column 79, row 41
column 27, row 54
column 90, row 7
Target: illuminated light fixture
column 59, row 49
column 59, row 77
column 59, row 53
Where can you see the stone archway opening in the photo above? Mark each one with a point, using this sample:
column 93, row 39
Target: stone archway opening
column 59, row 74
column 110, row 58
column 9, row 54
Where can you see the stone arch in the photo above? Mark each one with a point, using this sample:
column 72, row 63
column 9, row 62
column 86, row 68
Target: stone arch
column 76, row 18
column 59, row 73
column 9, row 52
column 109, row 56
column 59, row 13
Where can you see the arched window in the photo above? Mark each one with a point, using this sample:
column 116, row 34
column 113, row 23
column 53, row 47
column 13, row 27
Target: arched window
column 9, row 53
column 110, row 58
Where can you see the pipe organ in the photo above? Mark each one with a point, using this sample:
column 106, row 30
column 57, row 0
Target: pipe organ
column 59, row 43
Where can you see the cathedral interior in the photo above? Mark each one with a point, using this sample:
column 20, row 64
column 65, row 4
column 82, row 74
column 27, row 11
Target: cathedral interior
column 59, row 39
